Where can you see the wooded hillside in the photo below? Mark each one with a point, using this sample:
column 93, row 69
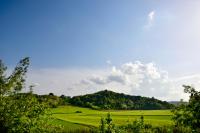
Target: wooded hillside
column 112, row 100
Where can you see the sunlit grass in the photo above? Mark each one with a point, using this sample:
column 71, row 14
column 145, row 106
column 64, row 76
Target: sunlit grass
column 91, row 118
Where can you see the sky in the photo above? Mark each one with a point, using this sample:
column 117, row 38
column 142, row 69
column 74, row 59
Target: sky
column 138, row 47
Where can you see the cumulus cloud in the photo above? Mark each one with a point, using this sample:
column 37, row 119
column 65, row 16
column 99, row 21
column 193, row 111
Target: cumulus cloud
column 132, row 74
column 134, row 78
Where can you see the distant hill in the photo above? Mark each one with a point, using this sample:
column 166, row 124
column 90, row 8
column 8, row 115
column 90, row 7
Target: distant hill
column 176, row 103
column 112, row 100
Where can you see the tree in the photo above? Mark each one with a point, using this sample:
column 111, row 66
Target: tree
column 20, row 112
column 106, row 125
column 188, row 115
column 109, row 123
column 51, row 94
column 102, row 126
column 14, row 83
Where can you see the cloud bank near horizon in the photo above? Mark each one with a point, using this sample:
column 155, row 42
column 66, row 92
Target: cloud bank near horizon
column 134, row 78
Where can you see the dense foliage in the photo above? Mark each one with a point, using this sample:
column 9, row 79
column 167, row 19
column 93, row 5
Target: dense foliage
column 52, row 100
column 21, row 112
column 111, row 100
column 188, row 115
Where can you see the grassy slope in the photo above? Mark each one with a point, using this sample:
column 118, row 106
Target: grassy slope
column 68, row 126
column 91, row 118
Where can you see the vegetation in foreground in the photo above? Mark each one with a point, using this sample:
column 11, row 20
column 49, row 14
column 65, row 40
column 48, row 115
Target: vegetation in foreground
column 21, row 113
column 138, row 126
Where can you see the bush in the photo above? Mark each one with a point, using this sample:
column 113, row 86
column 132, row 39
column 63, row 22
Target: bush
column 78, row 112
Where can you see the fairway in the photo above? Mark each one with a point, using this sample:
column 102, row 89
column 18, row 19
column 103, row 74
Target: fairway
column 67, row 116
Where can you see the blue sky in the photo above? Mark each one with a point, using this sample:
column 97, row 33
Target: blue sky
column 99, row 35
column 77, row 33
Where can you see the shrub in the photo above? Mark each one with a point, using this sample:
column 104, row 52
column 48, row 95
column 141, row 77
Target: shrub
column 78, row 112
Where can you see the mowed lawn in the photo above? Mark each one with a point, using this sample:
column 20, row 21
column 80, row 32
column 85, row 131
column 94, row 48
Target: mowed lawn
column 67, row 116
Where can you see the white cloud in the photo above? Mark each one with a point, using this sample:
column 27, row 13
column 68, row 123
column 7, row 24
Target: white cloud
column 150, row 20
column 99, row 80
column 134, row 78
column 132, row 74
column 151, row 15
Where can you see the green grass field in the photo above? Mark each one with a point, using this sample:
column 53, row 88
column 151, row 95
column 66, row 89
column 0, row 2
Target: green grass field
column 67, row 116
